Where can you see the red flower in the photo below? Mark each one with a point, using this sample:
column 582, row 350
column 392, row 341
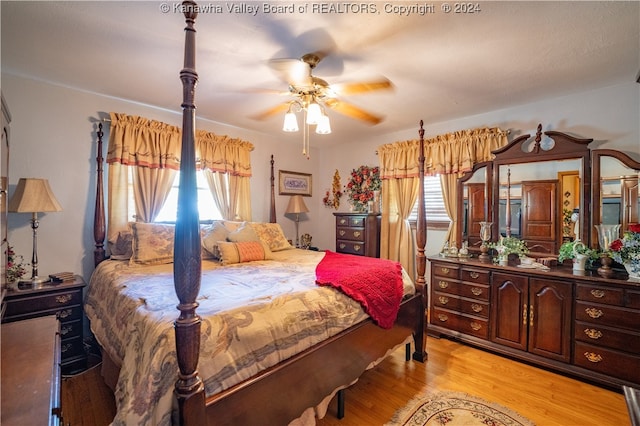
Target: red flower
column 616, row 245
column 634, row 227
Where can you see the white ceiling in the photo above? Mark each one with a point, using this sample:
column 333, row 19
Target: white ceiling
column 442, row 65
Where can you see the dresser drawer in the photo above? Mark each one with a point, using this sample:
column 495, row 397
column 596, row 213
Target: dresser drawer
column 446, row 300
column 446, row 285
column 474, row 307
column 70, row 329
column 599, row 294
column 595, row 313
column 445, row 270
column 354, row 234
column 474, row 276
column 614, row 338
column 478, row 327
column 607, row 361
column 351, row 247
column 474, row 291
column 632, row 299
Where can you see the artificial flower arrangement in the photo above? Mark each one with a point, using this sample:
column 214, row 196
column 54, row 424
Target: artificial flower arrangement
column 15, row 268
column 361, row 186
column 334, row 202
column 508, row 245
column 626, row 250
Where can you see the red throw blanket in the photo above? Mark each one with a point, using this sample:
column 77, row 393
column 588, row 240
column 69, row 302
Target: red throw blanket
column 375, row 283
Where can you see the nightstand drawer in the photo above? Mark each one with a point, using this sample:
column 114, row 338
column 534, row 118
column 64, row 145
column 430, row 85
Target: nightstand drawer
column 43, row 302
column 20, row 310
column 70, row 329
column 71, row 347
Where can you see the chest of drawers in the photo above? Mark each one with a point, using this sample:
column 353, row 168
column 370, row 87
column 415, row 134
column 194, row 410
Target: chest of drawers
column 65, row 302
column 358, row 233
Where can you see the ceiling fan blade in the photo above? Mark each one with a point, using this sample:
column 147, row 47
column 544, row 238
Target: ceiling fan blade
column 352, row 111
column 362, row 87
column 292, row 71
column 278, row 109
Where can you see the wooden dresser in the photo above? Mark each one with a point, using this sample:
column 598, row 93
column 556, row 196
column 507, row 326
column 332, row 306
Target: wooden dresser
column 31, row 372
column 64, row 301
column 579, row 324
column 358, row 233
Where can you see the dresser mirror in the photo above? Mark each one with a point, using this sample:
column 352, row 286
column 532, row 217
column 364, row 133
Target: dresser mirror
column 616, row 193
column 535, row 189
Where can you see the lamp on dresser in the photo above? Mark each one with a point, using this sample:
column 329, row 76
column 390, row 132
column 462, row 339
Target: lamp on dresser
column 34, row 195
column 296, row 206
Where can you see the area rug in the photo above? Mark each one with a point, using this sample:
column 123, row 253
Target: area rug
column 456, row 409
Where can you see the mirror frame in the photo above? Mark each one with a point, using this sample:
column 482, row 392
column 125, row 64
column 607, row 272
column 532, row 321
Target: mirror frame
column 488, row 170
column 566, row 147
column 596, row 155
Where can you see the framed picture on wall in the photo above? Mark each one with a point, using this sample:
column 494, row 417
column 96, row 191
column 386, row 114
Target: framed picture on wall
column 294, row 183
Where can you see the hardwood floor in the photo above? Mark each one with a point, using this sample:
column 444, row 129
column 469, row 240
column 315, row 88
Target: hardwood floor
column 545, row 398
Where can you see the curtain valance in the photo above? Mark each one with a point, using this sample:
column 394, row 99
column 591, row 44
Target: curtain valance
column 450, row 153
column 138, row 141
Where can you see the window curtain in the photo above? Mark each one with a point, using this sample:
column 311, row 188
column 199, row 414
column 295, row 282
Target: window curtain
column 227, row 165
column 449, row 155
column 400, row 188
column 153, row 149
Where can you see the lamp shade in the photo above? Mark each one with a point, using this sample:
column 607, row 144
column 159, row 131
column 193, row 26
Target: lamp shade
column 33, row 195
column 296, row 205
column 290, row 122
column 324, row 126
column 313, row 113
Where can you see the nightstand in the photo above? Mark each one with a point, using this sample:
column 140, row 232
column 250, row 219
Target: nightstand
column 63, row 300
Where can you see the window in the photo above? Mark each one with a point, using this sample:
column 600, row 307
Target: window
column 206, row 206
column 435, row 211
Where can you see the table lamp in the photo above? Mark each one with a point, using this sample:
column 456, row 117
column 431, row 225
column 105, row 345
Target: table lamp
column 296, row 206
column 32, row 196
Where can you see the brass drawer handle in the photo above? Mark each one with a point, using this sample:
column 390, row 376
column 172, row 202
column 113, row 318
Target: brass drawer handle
column 597, row 293
column 66, row 329
column 476, row 308
column 594, row 313
column 474, row 275
column 445, row 270
column 443, row 284
column 475, row 326
column 524, row 314
column 357, row 222
column 443, row 300
column 356, row 234
column 357, row 247
column 592, row 357
column 342, row 233
column 476, row 291
column 343, row 221
column 66, row 347
column 593, row 333
column 64, row 314
column 443, row 317
column 342, row 246
column 64, row 298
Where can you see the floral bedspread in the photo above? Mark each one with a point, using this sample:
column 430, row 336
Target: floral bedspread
column 254, row 315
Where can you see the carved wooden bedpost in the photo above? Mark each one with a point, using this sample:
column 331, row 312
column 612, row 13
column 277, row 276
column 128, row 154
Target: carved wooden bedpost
column 272, row 211
column 420, row 353
column 187, row 266
column 99, row 227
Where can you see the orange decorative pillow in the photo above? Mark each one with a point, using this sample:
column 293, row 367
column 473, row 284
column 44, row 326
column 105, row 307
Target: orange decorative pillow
column 247, row 251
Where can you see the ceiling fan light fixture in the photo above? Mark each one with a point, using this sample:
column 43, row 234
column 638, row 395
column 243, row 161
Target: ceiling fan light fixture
column 313, row 113
column 324, row 126
column 290, row 122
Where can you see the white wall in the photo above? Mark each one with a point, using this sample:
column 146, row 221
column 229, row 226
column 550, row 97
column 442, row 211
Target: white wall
column 53, row 137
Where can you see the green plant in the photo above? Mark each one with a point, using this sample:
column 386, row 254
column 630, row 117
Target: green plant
column 509, row 245
column 569, row 249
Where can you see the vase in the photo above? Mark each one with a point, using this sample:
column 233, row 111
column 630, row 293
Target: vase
column 503, row 260
column 633, row 269
column 607, row 234
column 580, row 262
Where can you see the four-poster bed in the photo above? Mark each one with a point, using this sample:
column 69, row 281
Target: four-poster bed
column 279, row 393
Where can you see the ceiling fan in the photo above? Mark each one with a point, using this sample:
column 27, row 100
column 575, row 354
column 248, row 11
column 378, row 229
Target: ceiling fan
column 312, row 93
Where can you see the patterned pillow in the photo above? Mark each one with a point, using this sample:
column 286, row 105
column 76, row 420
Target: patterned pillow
column 121, row 249
column 247, row 251
column 152, row 243
column 243, row 234
column 210, row 237
column 272, row 235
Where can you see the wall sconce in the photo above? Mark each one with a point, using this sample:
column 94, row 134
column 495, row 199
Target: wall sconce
column 33, row 196
column 296, row 206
